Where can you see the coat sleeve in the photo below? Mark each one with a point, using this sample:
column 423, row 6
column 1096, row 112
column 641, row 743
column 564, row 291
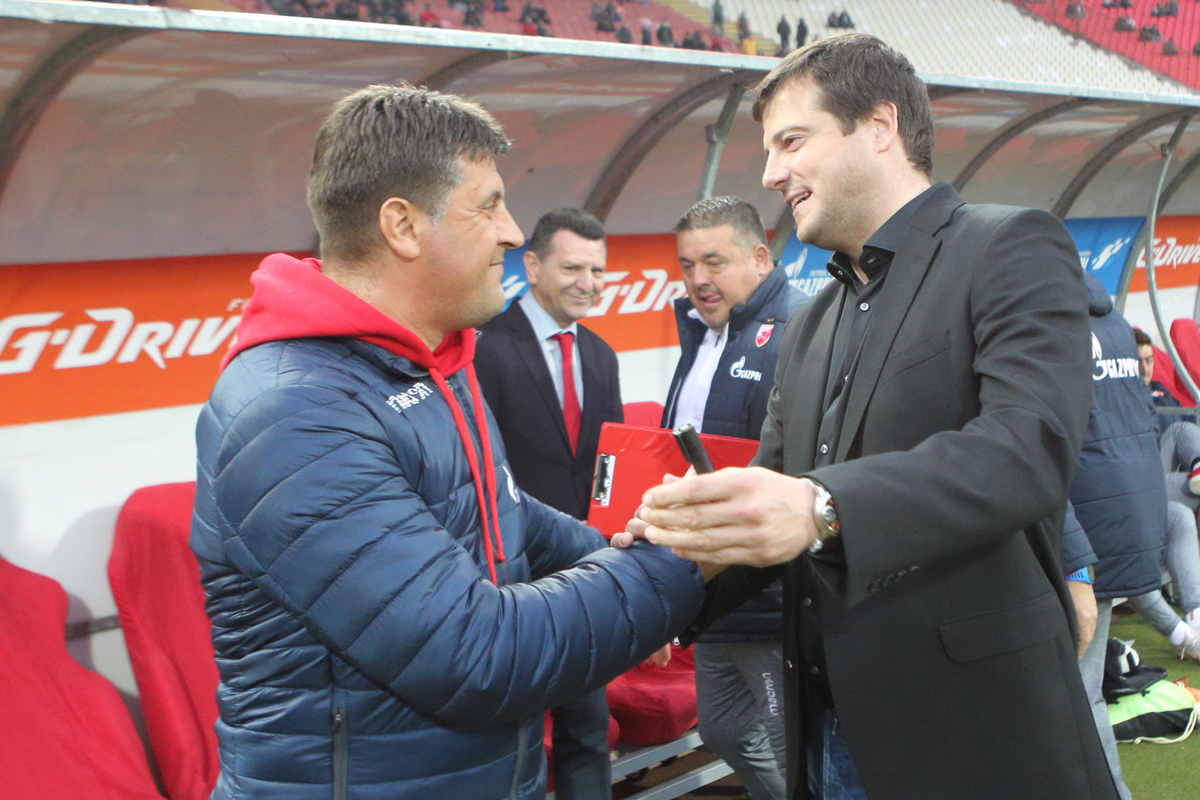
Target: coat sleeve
column 318, row 514
column 1011, row 465
column 1077, row 550
column 554, row 540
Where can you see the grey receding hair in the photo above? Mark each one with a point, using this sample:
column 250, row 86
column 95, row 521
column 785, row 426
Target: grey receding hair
column 716, row 211
column 392, row 141
column 575, row 220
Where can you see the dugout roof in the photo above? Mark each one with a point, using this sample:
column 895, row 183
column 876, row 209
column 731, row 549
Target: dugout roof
column 131, row 132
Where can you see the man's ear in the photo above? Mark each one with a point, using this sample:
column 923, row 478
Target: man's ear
column 404, row 226
column 885, row 126
column 531, row 264
column 762, row 260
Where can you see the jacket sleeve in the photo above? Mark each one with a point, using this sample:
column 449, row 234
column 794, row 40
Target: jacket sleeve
column 1011, row 465
column 1077, row 550
column 554, row 540
column 320, row 517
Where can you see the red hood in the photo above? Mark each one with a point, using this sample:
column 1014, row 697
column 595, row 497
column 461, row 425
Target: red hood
column 293, row 300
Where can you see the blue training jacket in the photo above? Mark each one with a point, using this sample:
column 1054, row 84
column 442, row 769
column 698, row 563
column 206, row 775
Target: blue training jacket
column 1119, row 492
column 363, row 651
column 737, row 406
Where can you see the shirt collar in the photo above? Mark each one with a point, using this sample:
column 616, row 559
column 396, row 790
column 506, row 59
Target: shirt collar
column 883, row 244
column 543, row 324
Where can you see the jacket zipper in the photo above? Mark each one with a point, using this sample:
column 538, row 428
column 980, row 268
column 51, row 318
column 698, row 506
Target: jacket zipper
column 522, row 741
column 341, row 752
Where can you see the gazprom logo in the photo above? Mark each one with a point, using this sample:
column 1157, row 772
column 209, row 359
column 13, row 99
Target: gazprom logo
column 736, row 371
column 1112, row 367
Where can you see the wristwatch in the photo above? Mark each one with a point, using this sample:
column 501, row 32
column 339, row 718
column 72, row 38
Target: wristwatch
column 825, row 517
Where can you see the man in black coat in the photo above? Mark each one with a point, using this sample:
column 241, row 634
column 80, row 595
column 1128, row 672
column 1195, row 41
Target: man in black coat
column 927, row 418
column 551, row 383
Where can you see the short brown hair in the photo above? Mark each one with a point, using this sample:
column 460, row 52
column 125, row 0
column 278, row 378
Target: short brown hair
column 1141, row 337
column 391, row 141
column 575, row 220
column 714, row 212
column 855, row 73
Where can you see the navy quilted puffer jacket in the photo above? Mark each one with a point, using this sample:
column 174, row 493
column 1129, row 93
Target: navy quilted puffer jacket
column 363, row 650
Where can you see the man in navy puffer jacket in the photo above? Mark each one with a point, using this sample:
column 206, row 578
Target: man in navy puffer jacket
column 391, row 614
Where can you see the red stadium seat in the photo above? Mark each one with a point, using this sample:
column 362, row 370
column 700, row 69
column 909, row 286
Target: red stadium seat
column 156, row 583
column 1186, row 337
column 646, row 414
column 69, row 733
column 1164, row 373
column 655, row 704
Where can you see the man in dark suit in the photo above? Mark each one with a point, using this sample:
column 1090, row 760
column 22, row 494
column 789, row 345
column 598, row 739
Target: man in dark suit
column 926, row 421
column 551, row 383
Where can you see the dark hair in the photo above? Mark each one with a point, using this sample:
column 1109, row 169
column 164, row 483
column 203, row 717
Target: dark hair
column 854, row 74
column 392, row 141
column 716, row 211
column 578, row 222
column 1141, row 337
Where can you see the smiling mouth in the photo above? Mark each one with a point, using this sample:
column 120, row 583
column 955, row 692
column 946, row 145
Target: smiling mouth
column 800, row 198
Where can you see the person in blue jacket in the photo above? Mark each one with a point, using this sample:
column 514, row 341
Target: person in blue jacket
column 391, row 613
column 730, row 325
column 1119, row 493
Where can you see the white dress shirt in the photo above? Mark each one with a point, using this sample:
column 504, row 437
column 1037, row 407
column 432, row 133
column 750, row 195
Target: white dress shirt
column 693, row 394
column 544, row 328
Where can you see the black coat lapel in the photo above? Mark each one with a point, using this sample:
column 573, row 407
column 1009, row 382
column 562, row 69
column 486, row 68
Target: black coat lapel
column 530, row 350
column 904, row 277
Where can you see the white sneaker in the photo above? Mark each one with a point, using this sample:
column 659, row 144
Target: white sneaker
column 1191, row 645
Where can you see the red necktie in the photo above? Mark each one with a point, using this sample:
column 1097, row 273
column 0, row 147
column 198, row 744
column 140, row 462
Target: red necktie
column 571, row 415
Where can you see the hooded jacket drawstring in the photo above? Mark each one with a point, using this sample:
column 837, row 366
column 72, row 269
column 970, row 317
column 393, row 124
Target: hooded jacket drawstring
column 485, row 484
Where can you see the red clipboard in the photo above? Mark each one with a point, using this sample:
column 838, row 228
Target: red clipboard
column 631, row 459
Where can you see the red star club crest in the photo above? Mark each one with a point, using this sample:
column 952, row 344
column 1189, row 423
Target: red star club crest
column 764, row 335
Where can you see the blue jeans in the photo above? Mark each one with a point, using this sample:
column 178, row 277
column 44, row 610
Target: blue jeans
column 831, row 772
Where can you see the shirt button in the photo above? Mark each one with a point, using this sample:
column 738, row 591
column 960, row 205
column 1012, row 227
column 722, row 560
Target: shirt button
column 863, row 306
column 808, row 601
column 814, row 670
column 824, row 449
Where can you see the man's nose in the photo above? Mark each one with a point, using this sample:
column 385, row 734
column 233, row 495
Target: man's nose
column 510, row 233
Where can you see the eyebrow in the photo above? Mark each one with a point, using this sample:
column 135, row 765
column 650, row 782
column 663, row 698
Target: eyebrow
column 778, row 137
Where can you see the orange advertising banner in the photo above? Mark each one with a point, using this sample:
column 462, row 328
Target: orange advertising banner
column 1176, row 254
column 104, row 337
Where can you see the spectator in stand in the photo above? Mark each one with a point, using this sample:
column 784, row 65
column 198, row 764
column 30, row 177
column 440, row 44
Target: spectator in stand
column 718, row 14
column 801, row 33
column 529, row 28
column 429, row 19
column 473, row 16
column 1169, row 49
column 624, row 36
column 666, row 37
column 844, row 20
column 597, row 12
column 1125, row 25
column 785, row 34
column 1075, row 10
column 1149, row 33
column 833, row 21
column 1196, row 48
column 346, row 10
column 499, row 7
column 647, row 32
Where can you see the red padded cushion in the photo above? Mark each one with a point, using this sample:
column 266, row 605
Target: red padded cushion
column 647, row 414
column 69, row 735
column 1186, row 337
column 655, row 704
column 156, row 582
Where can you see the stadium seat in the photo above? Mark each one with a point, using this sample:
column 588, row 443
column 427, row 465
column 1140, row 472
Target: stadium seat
column 1164, row 373
column 69, row 734
column 156, row 583
column 646, row 414
column 655, row 704
column 1186, row 336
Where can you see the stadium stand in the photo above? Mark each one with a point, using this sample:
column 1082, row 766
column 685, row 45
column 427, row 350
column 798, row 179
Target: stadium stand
column 1100, row 26
column 569, row 19
column 994, row 40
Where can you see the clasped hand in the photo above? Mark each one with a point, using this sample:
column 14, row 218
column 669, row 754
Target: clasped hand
column 750, row 516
